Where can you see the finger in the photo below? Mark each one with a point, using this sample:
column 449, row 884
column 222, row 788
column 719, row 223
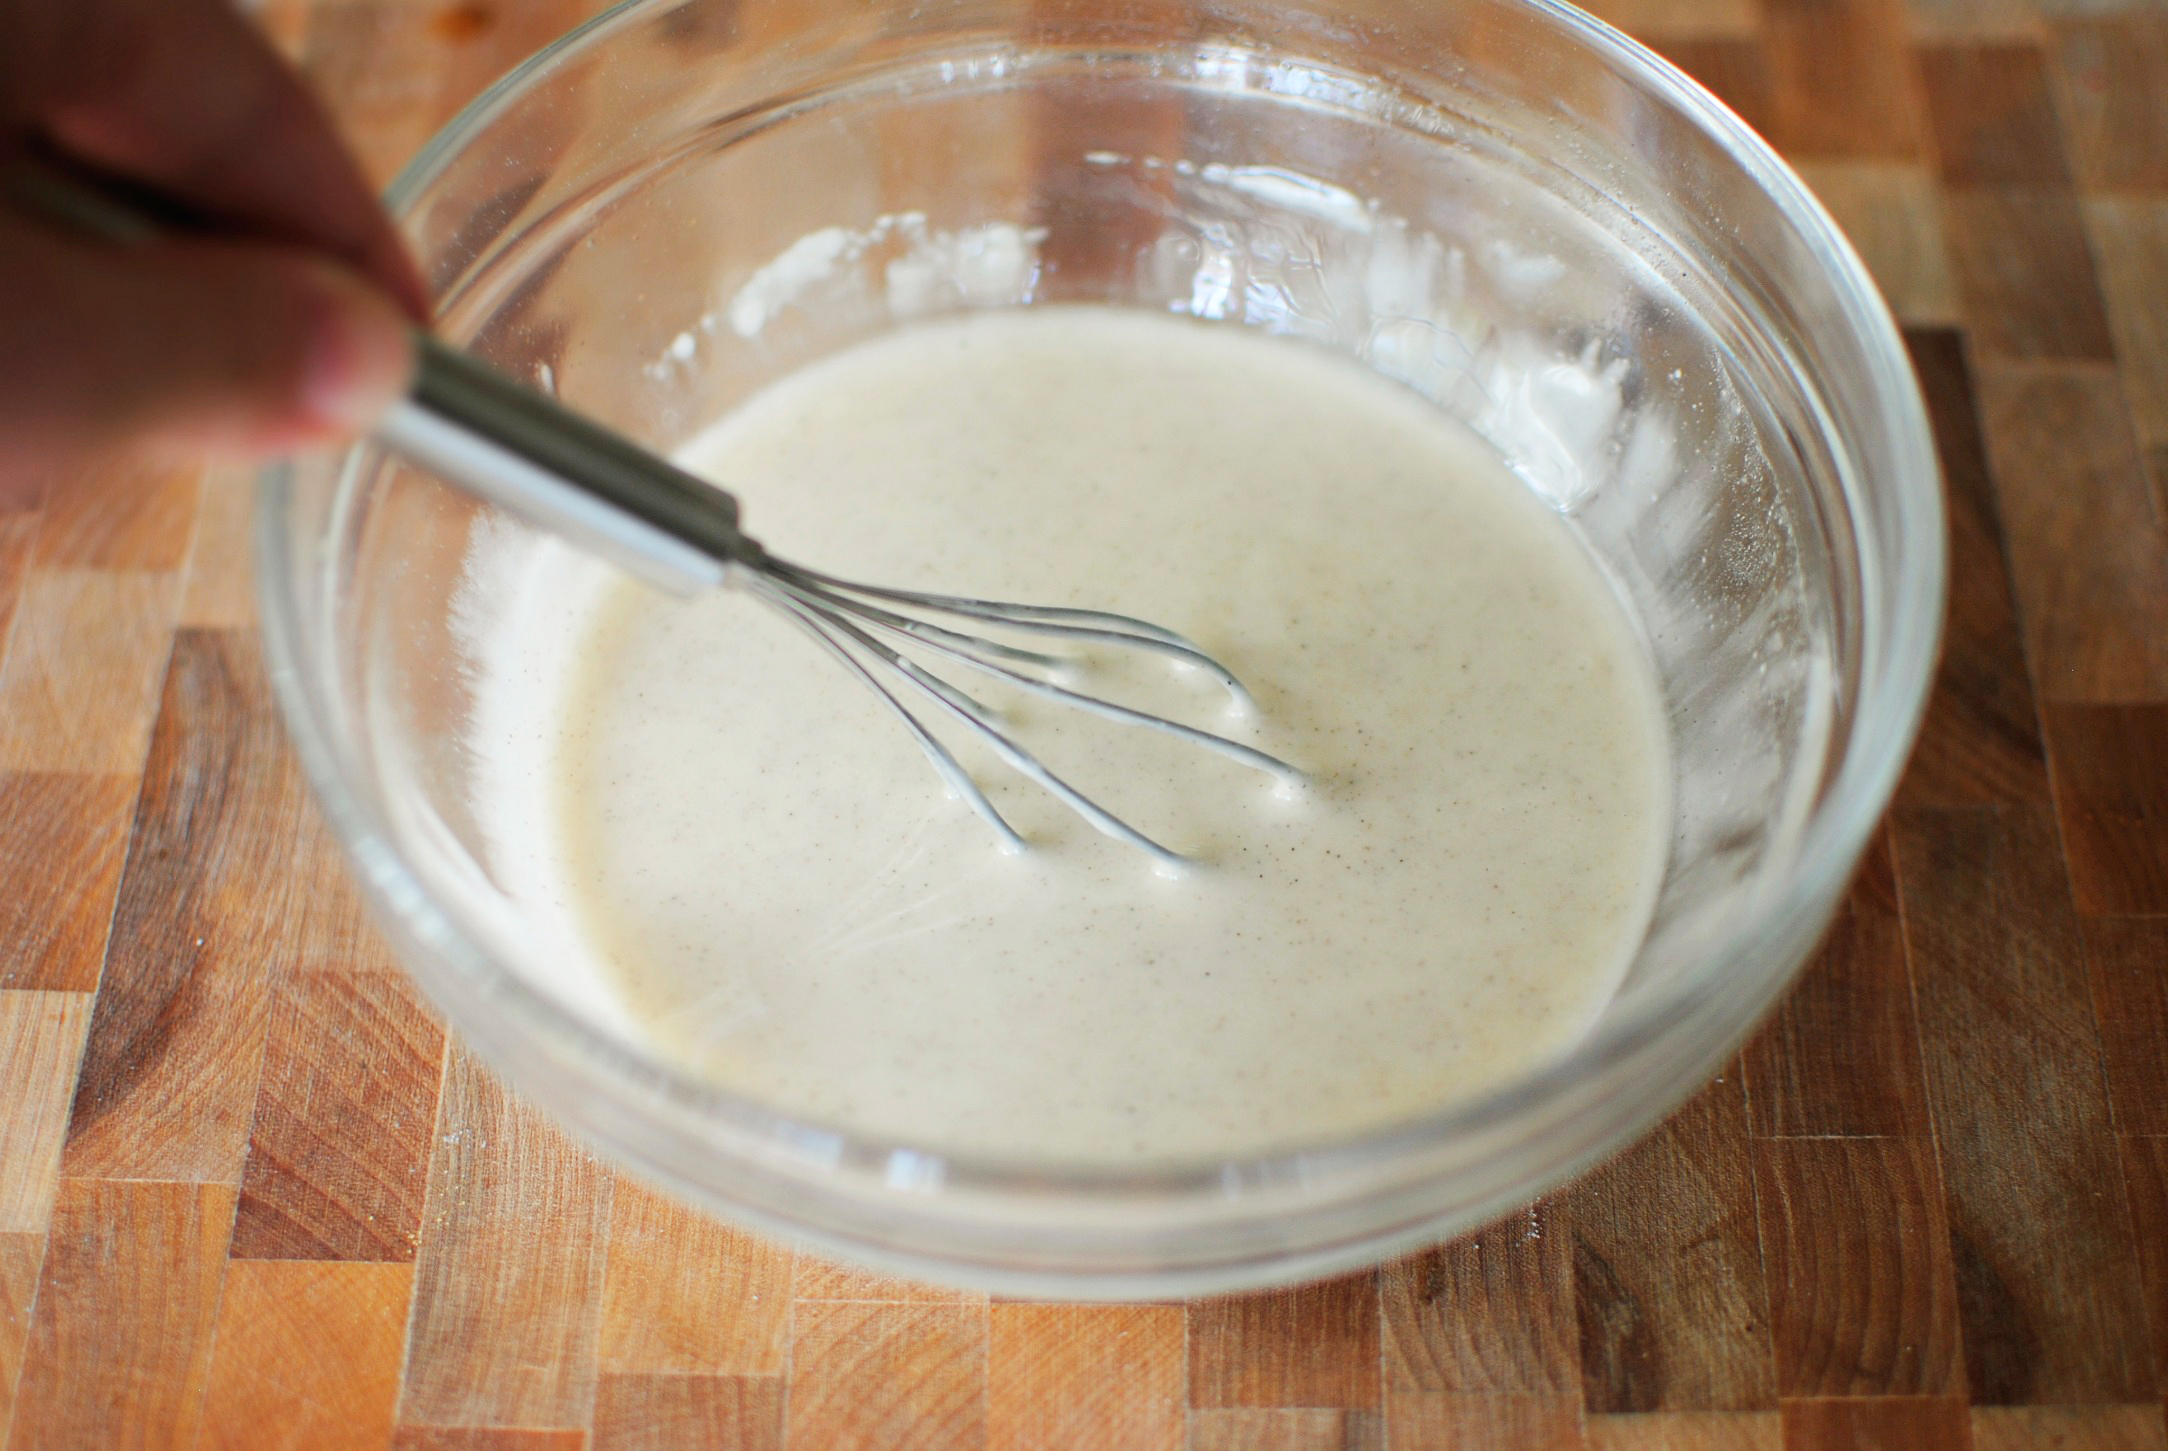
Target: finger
column 188, row 95
column 236, row 348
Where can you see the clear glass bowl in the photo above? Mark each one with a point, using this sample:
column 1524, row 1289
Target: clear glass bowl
column 1502, row 203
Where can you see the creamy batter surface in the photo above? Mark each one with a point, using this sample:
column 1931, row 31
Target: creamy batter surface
column 788, row 903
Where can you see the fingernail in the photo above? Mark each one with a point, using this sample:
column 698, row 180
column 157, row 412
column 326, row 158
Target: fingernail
column 360, row 355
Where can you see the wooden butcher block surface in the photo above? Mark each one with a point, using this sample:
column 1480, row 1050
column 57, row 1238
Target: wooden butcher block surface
column 252, row 1195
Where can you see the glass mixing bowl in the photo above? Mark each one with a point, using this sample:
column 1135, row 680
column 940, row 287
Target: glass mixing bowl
column 1501, row 203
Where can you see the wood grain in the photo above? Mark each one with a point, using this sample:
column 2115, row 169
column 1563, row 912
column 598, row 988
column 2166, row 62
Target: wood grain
column 1841, row 1056
column 814, row 1278
column 41, row 1040
column 168, row 1080
column 2025, row 273
column 480, row 42
column 684, row 1293
column 1981, row 742
column 2088, row 554
column 21, row 1257
column 1893, row 215
column 1673, row 1313
column 1432, row 1421
column 81, row 680
column 1686, row 1431
column 665, row 1412
column 395, row 72
column 2129, row 236
column 2115, row 98
column 1862, row 1295
column 338, row 1150
column 2145, row 1180
column 866, row 1375
column 1674, row 20
column 2111, row 792
column 119, row 515
column 2044, row 1257
column 1085, row 1375
column 382, row 75
column 220, row 591
column 1876, row 1425
column 1489, row 1314
column 63, row 837
column 483, row 1438
column 1313, row 1345
column 1734, row 68
column 507, row 1322
column 1856, row 48
column 2003, row 20
column 2068, row 1428
column 18, row 536
column 306, row 1356
column 1283, row 1429
column 120, row 1344
column 1994, row 116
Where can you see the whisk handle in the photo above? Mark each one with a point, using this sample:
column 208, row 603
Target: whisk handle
column 465, row 422
column 471, row 426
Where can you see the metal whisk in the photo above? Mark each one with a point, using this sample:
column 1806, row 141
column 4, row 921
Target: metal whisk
column 521, row 450
column 484, row 433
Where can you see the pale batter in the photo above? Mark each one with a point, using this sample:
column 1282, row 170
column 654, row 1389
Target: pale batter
column 789, row 904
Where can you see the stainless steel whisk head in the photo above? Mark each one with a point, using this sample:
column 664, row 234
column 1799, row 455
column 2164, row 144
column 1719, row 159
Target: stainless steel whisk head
column 848, row 620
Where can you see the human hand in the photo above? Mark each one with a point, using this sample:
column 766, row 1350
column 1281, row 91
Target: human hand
column 292, row 332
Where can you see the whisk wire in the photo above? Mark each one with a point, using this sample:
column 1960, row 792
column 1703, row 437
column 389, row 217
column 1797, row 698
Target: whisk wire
column 1078, row 626
column 948, row 641
column 1091, row 704
column 944, row 763
column 976, row 718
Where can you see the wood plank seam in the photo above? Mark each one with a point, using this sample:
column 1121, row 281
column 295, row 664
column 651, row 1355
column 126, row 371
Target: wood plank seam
column 13, row 621
column 1993, row 503
column 601, row 1284
column 2112, row 875
column 135, row 808
column 113, row 907
column 2057, row 787
column 1905, row 926
column 2028, row 645
column 172, row 1070
column 127, row 850
column 210, row 1349
column 1761, row 1240
column 11, row 1392
column 128, row 847
column 122, row 1391
column 2092, row 984
column 2069, row 465
column 421, row 1230
column 2051, row 1307
column 41, row 1054
column 89, row 855
column 790, row 1355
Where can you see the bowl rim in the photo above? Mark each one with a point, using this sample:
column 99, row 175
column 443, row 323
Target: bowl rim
column 1836, row 834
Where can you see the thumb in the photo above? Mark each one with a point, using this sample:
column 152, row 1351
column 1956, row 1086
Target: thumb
column 239, row 348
